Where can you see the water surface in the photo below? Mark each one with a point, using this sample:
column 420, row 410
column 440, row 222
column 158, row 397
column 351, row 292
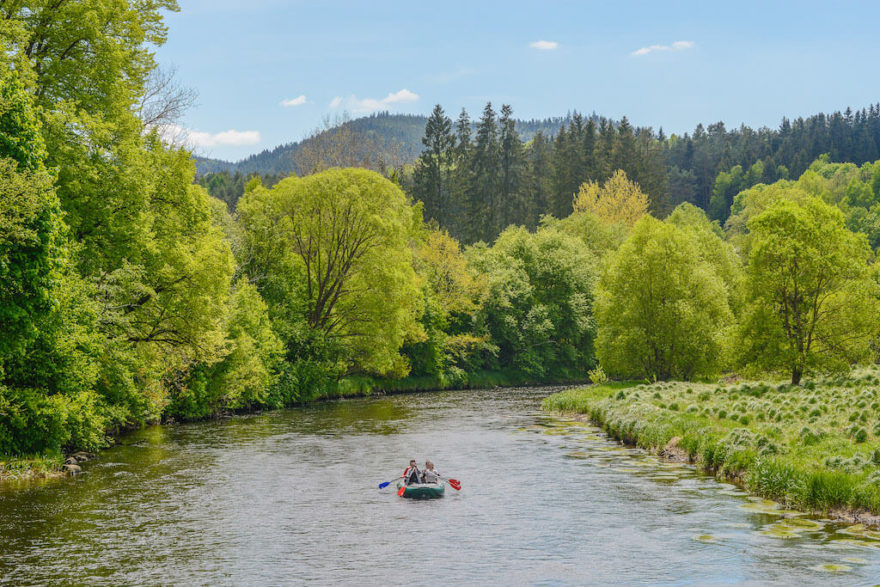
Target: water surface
column 291, row 496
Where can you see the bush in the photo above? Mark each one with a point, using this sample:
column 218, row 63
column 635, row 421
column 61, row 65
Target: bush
column 32, row 422
column 598, row 376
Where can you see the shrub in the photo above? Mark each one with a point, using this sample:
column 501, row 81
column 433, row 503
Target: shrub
column 598, row 376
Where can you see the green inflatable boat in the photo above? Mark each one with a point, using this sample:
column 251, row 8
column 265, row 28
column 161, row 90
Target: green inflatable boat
column 421, row 490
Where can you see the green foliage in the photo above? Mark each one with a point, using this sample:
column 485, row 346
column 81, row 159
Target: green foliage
column 32, row 252
column 339, row 242
column 811, row 303
column 33, row 423
column 128, row 293
column 662, row 308
column 20, row 130
column 243, row 377
column 539, row 304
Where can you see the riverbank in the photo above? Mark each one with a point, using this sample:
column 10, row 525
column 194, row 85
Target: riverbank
column 42, row 467
column 366, row 386
column 815, row 447
column 23, row 469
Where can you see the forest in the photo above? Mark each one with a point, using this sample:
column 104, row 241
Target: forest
column 533, row 167
column 130, row 295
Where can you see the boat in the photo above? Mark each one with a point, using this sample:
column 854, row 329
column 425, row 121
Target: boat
column 421, row 490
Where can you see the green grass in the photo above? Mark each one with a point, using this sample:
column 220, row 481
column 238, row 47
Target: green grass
column 13, row 468
column 815, row 447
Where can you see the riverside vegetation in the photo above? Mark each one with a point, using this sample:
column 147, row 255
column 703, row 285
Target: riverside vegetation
column 130, row 295
column 814, row 447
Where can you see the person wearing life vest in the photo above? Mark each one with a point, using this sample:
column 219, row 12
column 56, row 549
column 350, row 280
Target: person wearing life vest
column 412, row 475
column 430, row 474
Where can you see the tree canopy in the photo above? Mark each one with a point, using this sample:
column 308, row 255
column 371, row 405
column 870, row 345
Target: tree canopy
column 662, row 309
column 812, row 302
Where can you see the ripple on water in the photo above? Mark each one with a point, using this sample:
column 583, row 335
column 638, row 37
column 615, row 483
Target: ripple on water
column 257, row 500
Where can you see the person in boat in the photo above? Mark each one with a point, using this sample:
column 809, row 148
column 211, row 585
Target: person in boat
column 430, row 474
column 412, row 475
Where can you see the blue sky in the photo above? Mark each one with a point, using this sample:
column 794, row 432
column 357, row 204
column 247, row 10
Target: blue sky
column 669, row 64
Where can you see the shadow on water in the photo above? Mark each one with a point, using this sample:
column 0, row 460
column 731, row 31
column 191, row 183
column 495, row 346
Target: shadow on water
column 292, row 496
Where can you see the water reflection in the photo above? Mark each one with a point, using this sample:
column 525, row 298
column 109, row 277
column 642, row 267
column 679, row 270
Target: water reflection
column 292, row 496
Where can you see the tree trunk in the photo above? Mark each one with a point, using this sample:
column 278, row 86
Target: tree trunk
column 796, row 376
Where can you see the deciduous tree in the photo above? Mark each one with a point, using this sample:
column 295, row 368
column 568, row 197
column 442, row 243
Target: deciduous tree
column 811, row 303
column 662, row 310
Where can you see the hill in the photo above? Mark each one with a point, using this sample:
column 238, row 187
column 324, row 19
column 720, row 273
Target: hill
column 400, row 134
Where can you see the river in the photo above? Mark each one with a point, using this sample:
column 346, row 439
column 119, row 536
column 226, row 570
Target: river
column 292, row 496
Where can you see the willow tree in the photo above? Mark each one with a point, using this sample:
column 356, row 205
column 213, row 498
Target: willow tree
column 662, row 308
column 812, row 305
column 333, row 250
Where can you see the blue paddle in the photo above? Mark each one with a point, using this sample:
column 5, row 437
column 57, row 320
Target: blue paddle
column 387, row 483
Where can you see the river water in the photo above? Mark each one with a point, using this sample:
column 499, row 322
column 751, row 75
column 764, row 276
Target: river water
column 292, row 496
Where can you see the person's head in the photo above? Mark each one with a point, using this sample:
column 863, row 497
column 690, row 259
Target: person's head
column 412, row 462
column 429, row 465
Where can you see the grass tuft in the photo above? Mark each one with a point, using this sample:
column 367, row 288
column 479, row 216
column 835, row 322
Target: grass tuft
column 816, row 446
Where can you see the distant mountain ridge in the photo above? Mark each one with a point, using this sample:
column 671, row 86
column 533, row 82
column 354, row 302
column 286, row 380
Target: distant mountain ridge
column 405, row 131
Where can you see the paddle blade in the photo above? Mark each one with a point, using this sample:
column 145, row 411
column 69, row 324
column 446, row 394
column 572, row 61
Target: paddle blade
column 401, row 491
column 455, row 484
column 384, row 485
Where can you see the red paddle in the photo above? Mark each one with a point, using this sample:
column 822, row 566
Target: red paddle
column 401, row 491
column 455, row 484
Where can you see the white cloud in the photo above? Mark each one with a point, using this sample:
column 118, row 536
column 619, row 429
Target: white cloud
column 359, row 106
column 544, row 45
column 676, row 46
column 194, row 138
column 298, row 101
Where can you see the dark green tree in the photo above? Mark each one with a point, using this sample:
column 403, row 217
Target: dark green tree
column 511, row 207
column 485, row 179
column 431, row 176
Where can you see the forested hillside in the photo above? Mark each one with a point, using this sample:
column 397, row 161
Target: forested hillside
column 402, row 131
column 489, row 175
column 536, row 166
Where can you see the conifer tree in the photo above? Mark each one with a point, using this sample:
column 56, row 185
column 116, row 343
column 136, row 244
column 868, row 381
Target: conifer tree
column 432, row 167
column 485, row 178
column 562, row 194
column 510, row 207
column 538, row 178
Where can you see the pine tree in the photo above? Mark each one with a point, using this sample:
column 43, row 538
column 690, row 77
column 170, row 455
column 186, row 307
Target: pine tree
column 607, row 136
column 485, row 178
column 590, row 163
column 460, row 182
column 624, row 154
column 432, row 167
column 510, row 206
column 562, row 193
column 539, row 178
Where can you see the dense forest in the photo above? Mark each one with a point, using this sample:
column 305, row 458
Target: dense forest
column 130, row 295
column 488, row 171
column 537, row 165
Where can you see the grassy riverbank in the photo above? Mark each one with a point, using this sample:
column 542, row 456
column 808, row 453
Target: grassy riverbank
column 814, row 447
column 42, row 467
